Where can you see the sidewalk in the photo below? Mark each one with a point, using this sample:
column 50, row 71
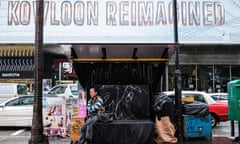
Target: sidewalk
column 221, row 135
column 214, row 140
column 24, row 140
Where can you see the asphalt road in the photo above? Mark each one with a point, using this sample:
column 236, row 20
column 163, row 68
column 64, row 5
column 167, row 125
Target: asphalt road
column 21, row 135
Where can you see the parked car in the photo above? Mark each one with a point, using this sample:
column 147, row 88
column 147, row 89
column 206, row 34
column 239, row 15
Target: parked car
column 217, row 109
column 17, row 111
column 219, row 96
column 64, row 90
column 9, row 90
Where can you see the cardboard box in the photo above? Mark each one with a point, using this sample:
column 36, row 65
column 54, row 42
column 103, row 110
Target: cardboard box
column 76, row 124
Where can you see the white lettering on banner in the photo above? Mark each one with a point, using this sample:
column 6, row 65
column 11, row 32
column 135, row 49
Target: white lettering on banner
column 21, row 12
column 10, row 74
column 118, row 13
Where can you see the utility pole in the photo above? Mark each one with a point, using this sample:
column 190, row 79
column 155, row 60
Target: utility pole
column 178, row 78
column 37, row 136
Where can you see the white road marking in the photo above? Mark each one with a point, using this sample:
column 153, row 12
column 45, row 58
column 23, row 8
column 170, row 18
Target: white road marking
column 18, row 132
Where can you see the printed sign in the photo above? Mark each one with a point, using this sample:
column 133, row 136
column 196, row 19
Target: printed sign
column 54, row 116
column 74, row 21
column 209, row 21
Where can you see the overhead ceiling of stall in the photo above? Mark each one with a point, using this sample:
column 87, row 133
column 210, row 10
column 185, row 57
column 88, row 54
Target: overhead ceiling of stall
column 119, row 52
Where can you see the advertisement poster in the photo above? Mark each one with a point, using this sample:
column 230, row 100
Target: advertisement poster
column 82, row 108
column 54, row 116
column 75, row 109
column 129, row 21
column 81, row 21
column 209, row 22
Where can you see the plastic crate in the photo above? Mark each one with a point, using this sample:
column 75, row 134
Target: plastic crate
column 195, row 126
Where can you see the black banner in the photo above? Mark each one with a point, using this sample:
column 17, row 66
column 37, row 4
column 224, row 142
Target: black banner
column 22, row 67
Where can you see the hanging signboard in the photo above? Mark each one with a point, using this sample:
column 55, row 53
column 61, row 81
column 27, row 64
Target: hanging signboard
column 129, row 21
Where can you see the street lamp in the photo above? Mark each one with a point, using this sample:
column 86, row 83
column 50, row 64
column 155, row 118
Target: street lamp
column 178, row 79
column 37, row 136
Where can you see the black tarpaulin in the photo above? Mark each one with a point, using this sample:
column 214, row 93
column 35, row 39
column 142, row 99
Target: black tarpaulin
column 196, row 108
column 163, row 106
column 127, row 102
column 124, row 132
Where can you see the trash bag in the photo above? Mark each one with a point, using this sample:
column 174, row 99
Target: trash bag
column 164, row 106
column 165, row 131
column 159, row 101
column 196, row 108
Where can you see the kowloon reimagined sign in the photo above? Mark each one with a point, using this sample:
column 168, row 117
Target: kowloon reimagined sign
column 105, row 21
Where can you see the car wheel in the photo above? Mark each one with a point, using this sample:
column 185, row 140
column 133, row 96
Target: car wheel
column 213, row 120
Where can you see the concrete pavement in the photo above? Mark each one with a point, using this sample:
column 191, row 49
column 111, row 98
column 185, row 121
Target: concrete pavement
column 221, row 134
column 24, row 140
column 214, row 140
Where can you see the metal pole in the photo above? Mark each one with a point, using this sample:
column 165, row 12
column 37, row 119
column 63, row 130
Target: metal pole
column 37, row 136
column 196, row 77
column 178, row 78
column 60, row 72
column 232, row 121
column 166, row 75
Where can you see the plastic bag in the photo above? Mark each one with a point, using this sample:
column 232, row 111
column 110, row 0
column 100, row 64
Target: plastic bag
column 165, row 131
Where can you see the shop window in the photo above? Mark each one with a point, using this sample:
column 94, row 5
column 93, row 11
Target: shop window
column 235, row 72
column 221, row 77
column 205, row 76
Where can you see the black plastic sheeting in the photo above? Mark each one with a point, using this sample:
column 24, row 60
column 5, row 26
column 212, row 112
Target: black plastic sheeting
column 164, row 106
column 127, row 102
column 91, row 74
column 196, row 108
column 124, row 132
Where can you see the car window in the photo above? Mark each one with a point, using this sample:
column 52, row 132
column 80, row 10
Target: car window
column 197, row 97
column 219, row 97
column 215, row 97
column 58, row 90
column 28, row 101
column 20, row 101
column 74, row 90
column 21, row 89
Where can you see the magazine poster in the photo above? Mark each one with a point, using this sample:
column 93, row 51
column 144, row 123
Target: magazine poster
column 54, row 116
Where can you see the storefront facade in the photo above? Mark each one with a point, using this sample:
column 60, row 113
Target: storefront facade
column 17, row 64
column 206, row 68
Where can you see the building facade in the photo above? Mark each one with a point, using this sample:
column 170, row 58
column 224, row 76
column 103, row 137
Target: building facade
column 206, row 67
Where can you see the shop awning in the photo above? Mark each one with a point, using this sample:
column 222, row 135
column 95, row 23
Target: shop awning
column 16, row 50
column 119, row 53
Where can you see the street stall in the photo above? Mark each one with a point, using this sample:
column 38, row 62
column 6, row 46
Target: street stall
column 126, row 89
